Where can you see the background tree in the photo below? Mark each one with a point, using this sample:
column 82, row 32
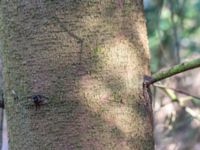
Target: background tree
column 173, row 32
column 89, row 58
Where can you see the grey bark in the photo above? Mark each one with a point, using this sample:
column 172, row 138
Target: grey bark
column 89, row 58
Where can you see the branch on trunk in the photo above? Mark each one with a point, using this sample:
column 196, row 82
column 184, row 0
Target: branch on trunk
column 175, row 70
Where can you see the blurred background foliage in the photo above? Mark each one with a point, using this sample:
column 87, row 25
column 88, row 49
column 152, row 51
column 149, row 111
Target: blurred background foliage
column 173, row 32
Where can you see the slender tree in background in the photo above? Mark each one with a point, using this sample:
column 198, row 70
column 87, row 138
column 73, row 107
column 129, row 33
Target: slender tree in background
column 88, row 57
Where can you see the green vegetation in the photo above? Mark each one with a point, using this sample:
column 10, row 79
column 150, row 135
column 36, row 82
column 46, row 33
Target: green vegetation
column 173, row 32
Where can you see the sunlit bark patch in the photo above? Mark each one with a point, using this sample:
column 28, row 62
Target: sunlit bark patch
column 121, row 61
column 100, row 100
column 108, row 91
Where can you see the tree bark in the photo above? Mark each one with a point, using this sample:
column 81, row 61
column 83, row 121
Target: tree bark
column 89, row 58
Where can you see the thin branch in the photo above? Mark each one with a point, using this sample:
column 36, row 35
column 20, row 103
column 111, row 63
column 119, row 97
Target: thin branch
column 175, row 70
column 176, row 90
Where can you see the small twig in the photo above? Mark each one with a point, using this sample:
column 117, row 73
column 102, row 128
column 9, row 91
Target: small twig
column 176, row 90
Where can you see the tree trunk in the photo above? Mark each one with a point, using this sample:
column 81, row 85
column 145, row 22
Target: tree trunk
column 89, row 58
